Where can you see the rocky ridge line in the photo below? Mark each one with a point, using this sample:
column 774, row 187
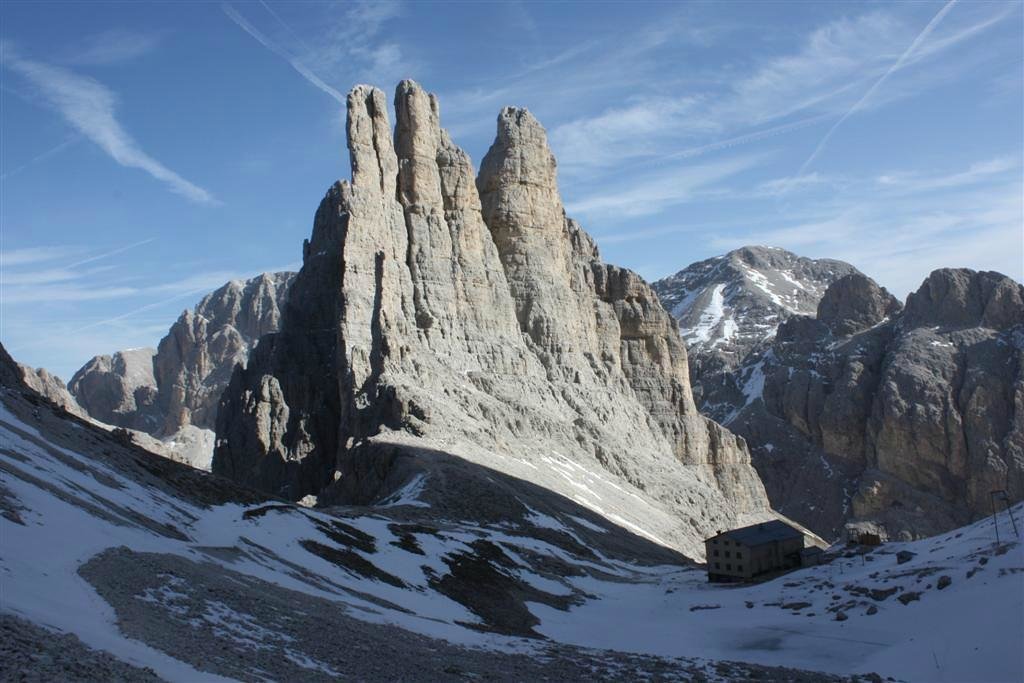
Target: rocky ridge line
column 440, row 320
column 172, row 393
column 890, row 418
column 729, row 307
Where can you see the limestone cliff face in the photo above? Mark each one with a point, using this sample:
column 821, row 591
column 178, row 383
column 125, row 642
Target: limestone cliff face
column 194, row 361
column 948, row 418
column 119, row 389
column 51, row 387
column 903, row 419
column 440, row 321
column 178, row 385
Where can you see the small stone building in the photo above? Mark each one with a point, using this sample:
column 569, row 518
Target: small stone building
column 742, row 554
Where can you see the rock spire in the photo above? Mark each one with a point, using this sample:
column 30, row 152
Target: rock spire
column 445, row 326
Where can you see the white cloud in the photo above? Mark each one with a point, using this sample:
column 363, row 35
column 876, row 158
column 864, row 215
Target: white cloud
column 45, row 276
column 904, row 57
column 836, row 70
column 26, row 292
column 18, row 257
column 88, row 106
column 778, row 187
column 652, row 193
column 898, row 238
column 352, row 43
column 619, row 134
column 24, row 282
column 113, row 46
column 979, row 172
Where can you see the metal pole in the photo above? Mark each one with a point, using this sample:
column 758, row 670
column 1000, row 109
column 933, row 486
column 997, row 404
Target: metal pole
column 995, row 519
column 1009, row 512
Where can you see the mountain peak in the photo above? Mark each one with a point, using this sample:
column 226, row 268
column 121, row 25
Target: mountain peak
column 855, row 302
column 469, row 320
column 729, row 307
column 960, row 297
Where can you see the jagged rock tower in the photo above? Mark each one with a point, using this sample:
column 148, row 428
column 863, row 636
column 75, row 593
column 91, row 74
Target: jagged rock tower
column 445, row 331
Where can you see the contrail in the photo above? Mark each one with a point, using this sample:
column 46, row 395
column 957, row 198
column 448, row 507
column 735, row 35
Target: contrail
column 731, row 142
column 749, row 137
column 110, row 253
column 921, row 37
column 140, row 309
column 281, row 52
column 284, row 24
column 42, row 157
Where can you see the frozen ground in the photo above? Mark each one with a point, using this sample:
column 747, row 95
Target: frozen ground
column 172, row 570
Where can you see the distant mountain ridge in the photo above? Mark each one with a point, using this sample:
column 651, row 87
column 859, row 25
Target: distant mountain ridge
column 171, row 393
column 860, row 412
column 729, row 306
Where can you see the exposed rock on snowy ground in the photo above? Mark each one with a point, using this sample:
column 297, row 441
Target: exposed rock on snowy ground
column 32, row 654
column 442, row 328
column 156, row 565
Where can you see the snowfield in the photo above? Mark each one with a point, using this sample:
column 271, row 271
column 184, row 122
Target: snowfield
column 133, row 569
column 970, row 630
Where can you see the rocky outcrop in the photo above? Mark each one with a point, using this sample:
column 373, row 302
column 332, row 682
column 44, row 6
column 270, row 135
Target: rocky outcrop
column 900, row 420
column 441, row 319
column 12, row 375
column 119, row 389
column 194, row 361
column 962, row 298
column 172, row 393
column 854, row 303
column 51, row 387
column 729, row 307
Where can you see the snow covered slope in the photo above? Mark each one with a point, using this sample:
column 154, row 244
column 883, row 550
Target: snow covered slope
column 729, row 306
column 199, row 579
column 953, row 612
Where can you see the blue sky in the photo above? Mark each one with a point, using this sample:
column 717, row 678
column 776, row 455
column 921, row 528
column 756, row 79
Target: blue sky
column 151, row 152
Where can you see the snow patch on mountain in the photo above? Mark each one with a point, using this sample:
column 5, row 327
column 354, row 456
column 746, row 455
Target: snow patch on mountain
column 729, row 308
column 125, row 565
column 710, row 317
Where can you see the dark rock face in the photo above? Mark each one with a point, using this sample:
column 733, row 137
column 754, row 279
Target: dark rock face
column 11, row 374
column 900, row 420
column 255, row 418
column 964, row 298
column 179, row 384
column 729, row 308
column 119, row 389
column 441, row 317
column 854, row 303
